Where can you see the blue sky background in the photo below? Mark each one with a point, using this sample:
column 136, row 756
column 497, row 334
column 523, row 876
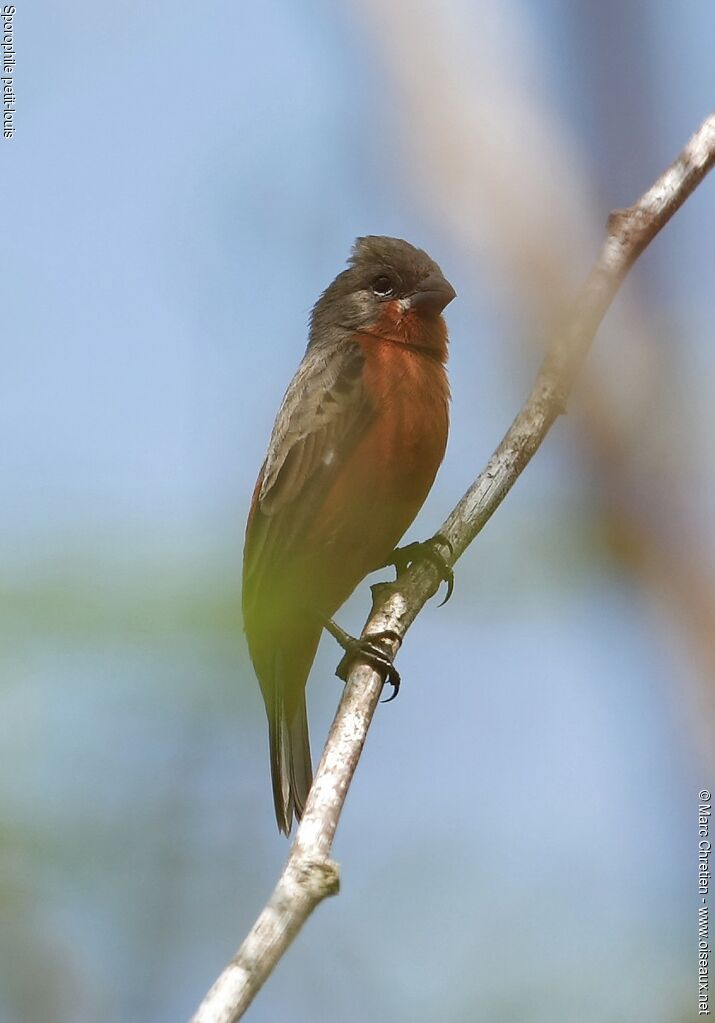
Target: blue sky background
column 520, row 839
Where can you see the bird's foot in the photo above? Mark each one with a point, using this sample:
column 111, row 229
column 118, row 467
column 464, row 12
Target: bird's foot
column 427, row 550
column 369, row 651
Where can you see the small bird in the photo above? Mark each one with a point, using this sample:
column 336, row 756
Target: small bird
column 355, row 448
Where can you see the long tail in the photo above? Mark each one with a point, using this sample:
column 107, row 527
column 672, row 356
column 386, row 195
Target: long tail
column 291, row 767
column 282, row 656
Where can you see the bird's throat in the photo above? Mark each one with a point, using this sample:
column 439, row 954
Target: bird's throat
column 405, row 327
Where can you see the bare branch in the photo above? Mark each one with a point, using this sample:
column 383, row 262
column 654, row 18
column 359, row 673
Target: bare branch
column 309, row 874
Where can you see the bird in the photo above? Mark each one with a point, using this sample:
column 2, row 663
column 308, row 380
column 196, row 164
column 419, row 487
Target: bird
column 354, row 451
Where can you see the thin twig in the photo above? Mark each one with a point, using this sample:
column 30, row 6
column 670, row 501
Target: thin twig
column 310, row 875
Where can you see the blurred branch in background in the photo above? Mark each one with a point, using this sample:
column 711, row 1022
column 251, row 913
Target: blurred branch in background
column 507, row 179
column 310, row 875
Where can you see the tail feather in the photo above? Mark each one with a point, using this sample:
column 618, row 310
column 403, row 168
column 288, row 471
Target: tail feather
column 282, row 645
column 291, row 767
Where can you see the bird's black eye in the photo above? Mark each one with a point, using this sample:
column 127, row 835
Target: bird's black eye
column 382, row 286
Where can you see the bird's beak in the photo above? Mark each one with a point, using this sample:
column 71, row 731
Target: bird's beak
column 433, row 294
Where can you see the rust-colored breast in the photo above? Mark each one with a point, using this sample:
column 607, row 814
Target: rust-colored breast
column 411, row 394
column 389, row 473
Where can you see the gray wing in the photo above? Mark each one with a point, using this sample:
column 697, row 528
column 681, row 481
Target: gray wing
column 324, row 412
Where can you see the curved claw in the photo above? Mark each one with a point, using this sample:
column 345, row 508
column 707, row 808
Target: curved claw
column 376, row 657
column 403, row 557
column 394, row 681
column 450, row 589
column 433, row 554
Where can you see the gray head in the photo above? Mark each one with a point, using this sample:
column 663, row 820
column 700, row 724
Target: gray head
column 381, row 270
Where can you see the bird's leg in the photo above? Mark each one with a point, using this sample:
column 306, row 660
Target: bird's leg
column 429, row 550
column 366, row 649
